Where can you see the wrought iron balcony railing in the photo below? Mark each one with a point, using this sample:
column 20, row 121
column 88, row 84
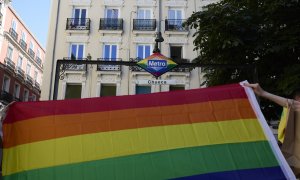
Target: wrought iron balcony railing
column 13, row 34
column 7, row 97
column 109, row 67
column 17, row 99
column 175, row 25
column 111, row 24
column 78, row 24
column 136, row 68
column 182, row 68
column 74, row 67
column 37, row 85
column 29, row 79
column 23, row 44
column 144, row 24
column 9, row 63
column 31, row 53
column 20, row 72
column 38, row 60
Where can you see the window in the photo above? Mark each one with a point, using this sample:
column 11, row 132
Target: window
column 35, row 76
column 31, row 46
column 6, row 83
column 20, row 61
column 176, row 52
column 17, row 91
column 73, row 91
column 14, row 25
column 142, row 89
column 111, row 13
column 9, row 52
column 28, row 68
column 108, row 90
column 38, row 53
column 23, row 36
column 143, row 51
column 175, row 14
column 26, row 95
column 144, row 14
column 33, row 97
column 79, row 16
column 174, row 21
column 77, row 51
column 110, row 52
column 176, row 87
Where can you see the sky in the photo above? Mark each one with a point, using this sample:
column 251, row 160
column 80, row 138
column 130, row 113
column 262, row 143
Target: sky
column 35, row 14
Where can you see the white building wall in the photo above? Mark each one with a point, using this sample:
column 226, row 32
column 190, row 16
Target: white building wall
column 59, row 40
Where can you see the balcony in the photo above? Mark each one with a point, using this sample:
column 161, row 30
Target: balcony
column 37, row 85
column 74, row 67
column 23, row 44
column 29, row 80
column 7, row 97
column 136, row 68
column 181, row 68
column 109, row 67
column 20, row 72
column 175, row 25
column 13, row 34
column 31, row 53
column 78, row 24
column 9, row 64
column 111, row 24
column 38, row 60
column 144, row 24
column 17, row 99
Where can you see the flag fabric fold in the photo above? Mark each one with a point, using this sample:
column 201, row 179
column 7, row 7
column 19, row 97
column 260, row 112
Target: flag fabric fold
column 209, row 133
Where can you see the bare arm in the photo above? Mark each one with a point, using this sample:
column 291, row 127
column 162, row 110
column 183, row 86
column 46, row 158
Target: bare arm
column 272, row 97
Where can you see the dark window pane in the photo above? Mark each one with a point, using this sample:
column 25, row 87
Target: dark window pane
column 176, row 52
column 108, row 90
column 142, row 89
column 73, row 91
column 175, row 88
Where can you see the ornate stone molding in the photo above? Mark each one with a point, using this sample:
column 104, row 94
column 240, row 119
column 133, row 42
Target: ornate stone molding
column 77, row 39
column 177, row 40
column 79, row 77
column 109, row 77
column 144, row 39
column 111, row 39
column 113, row 2
column 176, row 3
column 146, row 3
column 80, row 2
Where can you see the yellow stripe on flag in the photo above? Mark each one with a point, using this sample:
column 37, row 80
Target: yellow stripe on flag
column 104, row 145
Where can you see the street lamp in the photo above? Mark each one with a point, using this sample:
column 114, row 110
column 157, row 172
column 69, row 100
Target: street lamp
column 158, row 39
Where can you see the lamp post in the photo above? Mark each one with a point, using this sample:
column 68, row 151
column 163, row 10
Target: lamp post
column 158, row 39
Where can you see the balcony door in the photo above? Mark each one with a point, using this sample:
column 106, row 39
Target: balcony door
column 175, row 18
column 79, row 16
column 144, row 18
column 111, row 18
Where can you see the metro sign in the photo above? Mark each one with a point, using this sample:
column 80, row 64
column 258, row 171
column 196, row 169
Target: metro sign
column 157, row 64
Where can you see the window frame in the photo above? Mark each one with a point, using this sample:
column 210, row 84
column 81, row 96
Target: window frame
column 77, row 50
column 6, row 86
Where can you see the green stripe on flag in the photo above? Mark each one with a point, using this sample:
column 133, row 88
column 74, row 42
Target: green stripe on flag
column 163, row 164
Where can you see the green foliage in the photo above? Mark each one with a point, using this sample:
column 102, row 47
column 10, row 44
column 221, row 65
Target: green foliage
column 261, row 33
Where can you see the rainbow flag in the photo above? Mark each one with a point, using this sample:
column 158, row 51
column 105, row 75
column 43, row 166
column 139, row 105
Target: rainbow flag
column 210, row 133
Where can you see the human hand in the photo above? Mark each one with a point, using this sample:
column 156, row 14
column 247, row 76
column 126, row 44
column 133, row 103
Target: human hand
column 256, row 88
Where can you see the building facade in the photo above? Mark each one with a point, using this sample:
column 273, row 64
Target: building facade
column 21, row 59
column 118, row 30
